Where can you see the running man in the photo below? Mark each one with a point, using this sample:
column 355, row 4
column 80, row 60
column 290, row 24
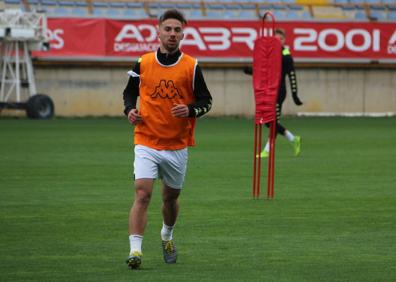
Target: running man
column 173, row 93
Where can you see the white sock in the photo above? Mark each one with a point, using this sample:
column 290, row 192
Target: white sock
column 266, row 148
column 289, row 136
column 135, row 242
column 167, row 232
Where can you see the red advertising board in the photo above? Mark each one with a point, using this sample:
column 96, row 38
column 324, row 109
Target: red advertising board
column 75, row 38
column 221, row 41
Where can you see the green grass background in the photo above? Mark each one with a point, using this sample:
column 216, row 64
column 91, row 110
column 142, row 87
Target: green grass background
column 66, row 191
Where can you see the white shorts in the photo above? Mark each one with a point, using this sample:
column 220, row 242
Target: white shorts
column 168, row 165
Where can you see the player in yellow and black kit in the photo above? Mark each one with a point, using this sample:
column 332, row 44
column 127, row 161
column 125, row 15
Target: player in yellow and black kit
column 287, row 70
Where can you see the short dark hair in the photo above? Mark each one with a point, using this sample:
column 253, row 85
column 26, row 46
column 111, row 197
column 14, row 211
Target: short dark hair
column 172, row 14
column 280, row 31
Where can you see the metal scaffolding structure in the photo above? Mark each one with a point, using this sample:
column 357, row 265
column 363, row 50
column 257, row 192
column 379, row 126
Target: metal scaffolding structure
column 20, row 33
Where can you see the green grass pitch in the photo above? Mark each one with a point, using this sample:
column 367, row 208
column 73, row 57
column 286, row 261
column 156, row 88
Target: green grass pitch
column 66, row 190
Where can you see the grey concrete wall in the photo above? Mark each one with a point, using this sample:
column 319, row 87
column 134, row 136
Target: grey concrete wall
column 321, row 90
column 84, row 91
column 352, row 90
column 94, row 91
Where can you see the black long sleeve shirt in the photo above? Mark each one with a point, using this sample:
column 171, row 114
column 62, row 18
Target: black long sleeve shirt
column 287, row 70
column 203, row 98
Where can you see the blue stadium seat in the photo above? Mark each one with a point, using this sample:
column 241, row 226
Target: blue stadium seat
column 231, row 11
column 279, row 14
column 166, row 6
column 378, row 15
column 115, row 9
column 132, row 14
column 341, row 1
column 265, row 7
column 35, row 5
column 117, row 5
column 279, row 7
column 248, row 5
column 392, row 16
column 182, row 6
column 80, row 9
column 154, row 9
column 348, row 8
column 229, row 14
column 134, row 10
column 216, row 10
column 360, row 15
column 135, row 5
column 185, row 8
column 99, row 9
column 296, row 7
column 247, row 14
column 61, row 12
column 65, row 3
column 13, row 4
column 391, row 7
column 360, row 8
column 357, row 1
column 113, row 13
column 306, row 15
column 292, row 15
column 378, row 7
column 215, row 6
column 354, row 12
column 49, row 2
column 196, row 14
column 248, row 11
column 214, row 13
column 64, row 8
column 48, row 6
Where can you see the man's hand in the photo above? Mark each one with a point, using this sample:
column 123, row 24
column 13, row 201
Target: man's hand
column 134, row 117
column 179, row 110
column 297, row 101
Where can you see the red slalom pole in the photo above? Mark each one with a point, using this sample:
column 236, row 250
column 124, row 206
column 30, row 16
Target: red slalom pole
column 267, row 69
column 257, row 160
column 258, row 157
column 254, row 161
column 271, row 161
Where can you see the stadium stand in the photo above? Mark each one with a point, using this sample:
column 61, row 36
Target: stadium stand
column 359, row 76
column 134, row 10
column 232, row 11
column 12, row 4
column 374, row 10
column 80, row 9
column 248, row 11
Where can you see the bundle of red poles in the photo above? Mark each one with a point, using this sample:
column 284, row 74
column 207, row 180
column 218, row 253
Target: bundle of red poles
column 257, row 160
column 267, row 65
